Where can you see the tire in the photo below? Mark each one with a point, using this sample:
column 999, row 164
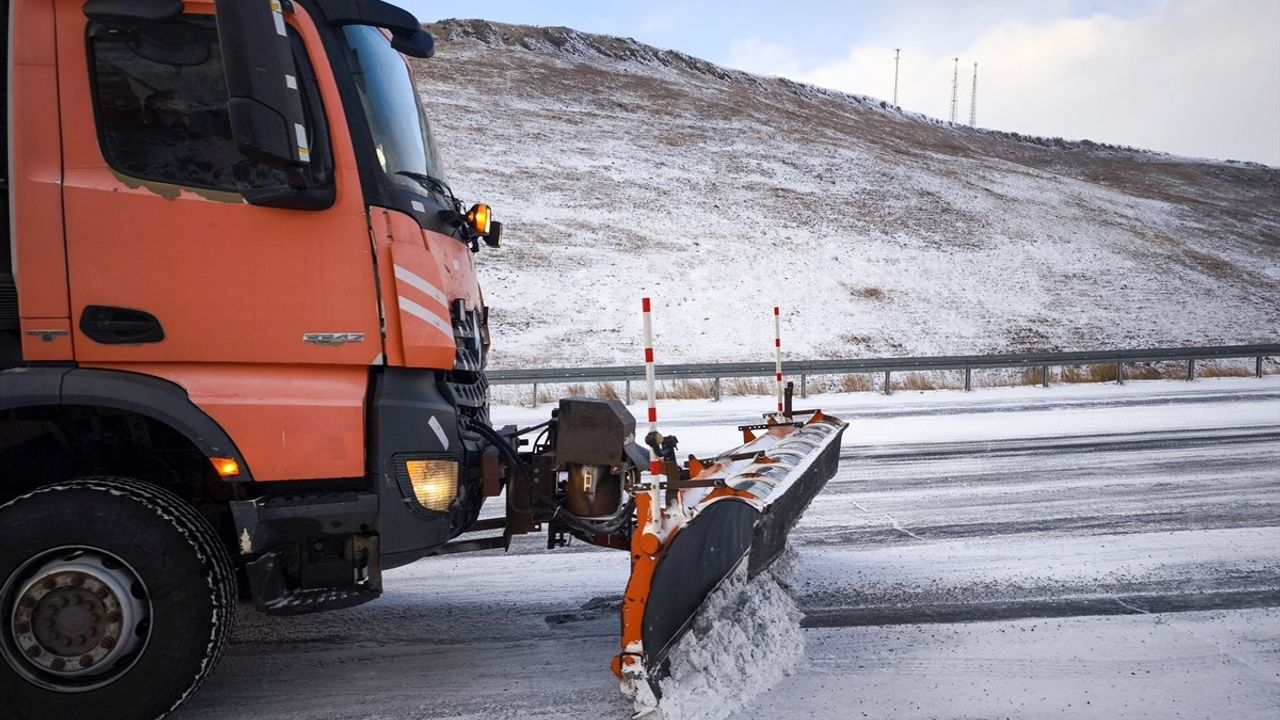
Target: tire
column 183, row 600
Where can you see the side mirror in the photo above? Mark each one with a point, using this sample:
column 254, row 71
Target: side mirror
column 494, row 238
column 130, row 13
column 264, row 106
column 418, row 44
column 407, row 35
column 480, row 220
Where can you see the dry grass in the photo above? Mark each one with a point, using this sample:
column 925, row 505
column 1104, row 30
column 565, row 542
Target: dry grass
column 915, row 381
column 1029, row 376
column 575, row 390
column 856, row 382
column 1215, row 370
column 1150, row 372
column 606, row 391
column 749, row 386
column 686, row 390
column 1084, row 373
column 1172, row 370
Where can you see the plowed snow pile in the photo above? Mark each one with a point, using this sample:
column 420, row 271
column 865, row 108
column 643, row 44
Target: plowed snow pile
column 746, row 638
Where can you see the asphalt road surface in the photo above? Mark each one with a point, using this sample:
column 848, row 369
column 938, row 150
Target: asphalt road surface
column 1076, row 552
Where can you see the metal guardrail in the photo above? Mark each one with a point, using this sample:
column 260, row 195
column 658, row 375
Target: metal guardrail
column 888, row 366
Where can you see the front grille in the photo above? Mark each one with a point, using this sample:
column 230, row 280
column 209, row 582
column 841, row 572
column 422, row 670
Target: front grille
column 467, row 381
column 474, row 393
column 8, row 303
column 468, row 335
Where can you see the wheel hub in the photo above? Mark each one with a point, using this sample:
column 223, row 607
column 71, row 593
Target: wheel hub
column 75, row 618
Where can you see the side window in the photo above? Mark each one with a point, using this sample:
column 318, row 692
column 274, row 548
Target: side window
column 160, row 96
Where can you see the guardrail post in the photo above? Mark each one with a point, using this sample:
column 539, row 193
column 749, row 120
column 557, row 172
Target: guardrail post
column 1191, row 369
column 628, row 391
column 1119, row 372
column 535, row 395
column 968, row 379
column 804, row 385
column 1257, row 367
column 1044, row 376
column 715, row 390
column 887, row 387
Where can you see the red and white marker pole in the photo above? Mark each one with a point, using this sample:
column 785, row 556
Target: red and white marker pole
column 655, row 463
column 777, row 352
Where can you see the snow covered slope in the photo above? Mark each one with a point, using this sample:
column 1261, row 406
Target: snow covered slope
column 621, row 170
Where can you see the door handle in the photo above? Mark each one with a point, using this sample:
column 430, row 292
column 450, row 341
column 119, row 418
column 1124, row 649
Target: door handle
column 120, row 326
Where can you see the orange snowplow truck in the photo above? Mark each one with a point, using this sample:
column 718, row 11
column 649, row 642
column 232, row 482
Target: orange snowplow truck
column 242, row 352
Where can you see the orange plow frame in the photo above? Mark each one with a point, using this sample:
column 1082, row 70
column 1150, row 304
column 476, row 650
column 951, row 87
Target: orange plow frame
column 740, row 506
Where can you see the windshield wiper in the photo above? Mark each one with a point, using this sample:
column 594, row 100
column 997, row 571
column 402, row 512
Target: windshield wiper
column 434, row 184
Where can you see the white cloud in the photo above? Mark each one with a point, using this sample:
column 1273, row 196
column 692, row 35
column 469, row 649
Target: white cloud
column 1196, row 77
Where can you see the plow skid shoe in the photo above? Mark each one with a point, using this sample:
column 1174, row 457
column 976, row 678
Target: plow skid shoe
column 740, row 508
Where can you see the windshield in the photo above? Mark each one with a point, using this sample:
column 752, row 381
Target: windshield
column 401, row 135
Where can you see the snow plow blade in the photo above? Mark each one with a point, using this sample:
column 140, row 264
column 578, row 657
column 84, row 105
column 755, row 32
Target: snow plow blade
column 739, row 507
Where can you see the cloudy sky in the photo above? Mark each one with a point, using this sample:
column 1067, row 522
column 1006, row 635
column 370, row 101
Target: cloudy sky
column 1194, row 77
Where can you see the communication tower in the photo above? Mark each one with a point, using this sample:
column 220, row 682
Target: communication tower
column 955, row 88
column 973, row 99
column 897, row 52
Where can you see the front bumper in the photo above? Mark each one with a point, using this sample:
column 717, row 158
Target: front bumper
column 311, row 553
column 314, row 550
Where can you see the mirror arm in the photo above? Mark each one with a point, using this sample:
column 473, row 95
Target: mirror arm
column 125, row 14
column 494, row 238
column 407, row 35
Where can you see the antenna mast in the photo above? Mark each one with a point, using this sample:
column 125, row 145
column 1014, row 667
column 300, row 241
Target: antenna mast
column 897, row 52
column 973, row 99
column 955, row 88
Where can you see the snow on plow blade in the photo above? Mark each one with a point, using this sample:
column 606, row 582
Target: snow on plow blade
column 739, row 507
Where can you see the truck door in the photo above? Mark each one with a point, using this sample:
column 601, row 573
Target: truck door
column 166, row 261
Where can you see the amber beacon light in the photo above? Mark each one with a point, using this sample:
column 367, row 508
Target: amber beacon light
column 479, row 217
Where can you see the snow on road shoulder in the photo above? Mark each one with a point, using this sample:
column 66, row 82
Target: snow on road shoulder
column 745, row 640
column 709, row 427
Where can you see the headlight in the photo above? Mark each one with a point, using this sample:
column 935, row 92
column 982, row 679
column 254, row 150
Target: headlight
column 434, row 482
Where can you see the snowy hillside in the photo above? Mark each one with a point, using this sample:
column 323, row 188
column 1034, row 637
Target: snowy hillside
column 621, row 170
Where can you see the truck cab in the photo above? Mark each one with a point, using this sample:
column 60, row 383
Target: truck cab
column 238, row 304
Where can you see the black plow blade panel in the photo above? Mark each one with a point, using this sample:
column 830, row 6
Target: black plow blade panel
column 784, row 512
column 698, row 558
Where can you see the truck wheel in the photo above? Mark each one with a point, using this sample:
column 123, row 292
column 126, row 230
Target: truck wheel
column 116, row 599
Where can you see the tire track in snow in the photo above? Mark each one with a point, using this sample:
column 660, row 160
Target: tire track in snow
column 915, row 614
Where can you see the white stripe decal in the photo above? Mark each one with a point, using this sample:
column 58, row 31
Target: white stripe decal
column 422, row 313
column 278, row 15
column 304, row 148
column 418, row 283
column 434, row 424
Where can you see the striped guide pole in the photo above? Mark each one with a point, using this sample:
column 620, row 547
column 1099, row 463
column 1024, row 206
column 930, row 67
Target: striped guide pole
column 655, row 463
column 777, row 352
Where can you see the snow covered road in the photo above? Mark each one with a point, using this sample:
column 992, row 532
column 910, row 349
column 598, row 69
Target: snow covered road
column 1081, row 551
